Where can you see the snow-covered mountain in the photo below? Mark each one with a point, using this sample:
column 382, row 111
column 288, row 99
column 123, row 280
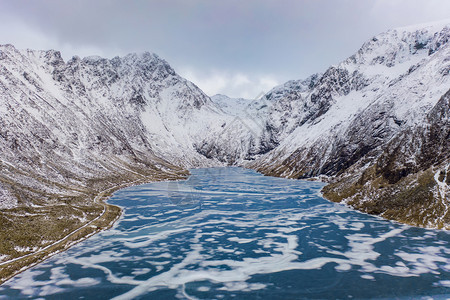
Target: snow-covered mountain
column 243, row 136
column 66, row 124
column 392, row 94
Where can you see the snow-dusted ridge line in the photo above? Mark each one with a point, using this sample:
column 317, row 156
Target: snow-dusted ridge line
column 434, row 26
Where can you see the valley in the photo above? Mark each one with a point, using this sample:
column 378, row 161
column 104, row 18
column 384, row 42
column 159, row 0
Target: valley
column 376, row 127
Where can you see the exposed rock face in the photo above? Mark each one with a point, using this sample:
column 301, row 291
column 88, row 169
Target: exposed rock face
column 407, row 182
column 419, row 148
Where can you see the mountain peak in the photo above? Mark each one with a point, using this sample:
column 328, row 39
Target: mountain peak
column 399, row 45
column 431, row 27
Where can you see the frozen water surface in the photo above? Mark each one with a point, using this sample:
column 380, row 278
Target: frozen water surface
column 232, row 233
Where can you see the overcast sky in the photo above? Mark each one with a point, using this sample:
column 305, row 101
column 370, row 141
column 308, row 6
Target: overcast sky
column 238, row 48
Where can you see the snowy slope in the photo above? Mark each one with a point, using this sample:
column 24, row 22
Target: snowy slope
column 350, row 116
column 357, row 106
column 243, row 135
column 64, row 124
column 232, row 106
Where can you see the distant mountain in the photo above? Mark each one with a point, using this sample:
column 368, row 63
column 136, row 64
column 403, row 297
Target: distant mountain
column 244, row 136
column 377, row 125
column 233, row 106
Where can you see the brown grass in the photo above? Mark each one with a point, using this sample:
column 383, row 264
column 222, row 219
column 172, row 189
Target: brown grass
column 30, row 227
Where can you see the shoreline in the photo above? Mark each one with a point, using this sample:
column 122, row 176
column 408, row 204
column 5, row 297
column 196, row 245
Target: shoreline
column 109, row 216
column 18, row 265
column 417, row 185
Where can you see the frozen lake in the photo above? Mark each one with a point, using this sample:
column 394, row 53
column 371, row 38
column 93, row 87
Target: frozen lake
column 232, row 233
